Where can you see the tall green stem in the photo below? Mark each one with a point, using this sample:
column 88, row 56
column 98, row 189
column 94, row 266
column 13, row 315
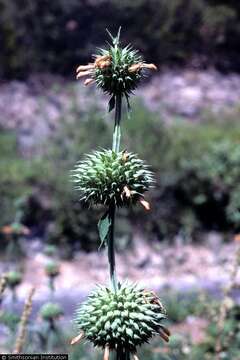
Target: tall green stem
column 112, row 207
column 111, row 251
column 117, row 129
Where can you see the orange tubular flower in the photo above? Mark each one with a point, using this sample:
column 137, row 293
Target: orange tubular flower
column 83, row 73
column 101, row 62
column 102, row 59
column 89, row 81
column 145, row 204
column 7, row 230
column 136, row 67
column 85, row 67
column 106, row 353
column 237, row 238
column 77, row 339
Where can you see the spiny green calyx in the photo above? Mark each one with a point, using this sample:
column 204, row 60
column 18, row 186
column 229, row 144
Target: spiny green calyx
column 51, row 311
column 123, row 319
column 106, row 177
column 116, row 70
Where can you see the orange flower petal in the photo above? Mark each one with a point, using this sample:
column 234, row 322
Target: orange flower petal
column 100, row 59
column 145, row 204
column 103, row 64
column 77, row 339
column 7, row 230
column 85, row 67
column 88, row 81
column 163, row 336
column 149, row 66
column 237, row 237
column 135, row 67
column 83, row 73
column 106, row 353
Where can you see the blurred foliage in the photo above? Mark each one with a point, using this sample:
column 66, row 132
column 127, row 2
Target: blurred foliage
column 180, row 306
column 55, row 36
column 229, row 338
column 197, row 171
column 10, row 319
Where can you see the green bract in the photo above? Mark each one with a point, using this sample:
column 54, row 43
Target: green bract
column 106, row 177
column 123, row 319
column 51, row 311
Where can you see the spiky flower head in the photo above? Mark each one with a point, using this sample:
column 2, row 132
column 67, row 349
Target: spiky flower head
column 14, row 278
column 51, row 311
column 116, row 70
column 123, row 319
column 52, row 269
column 106, row 177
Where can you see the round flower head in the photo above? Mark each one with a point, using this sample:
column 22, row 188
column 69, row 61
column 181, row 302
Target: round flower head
column 116, row 70
column 106, row 177
column 123, row 319
column 52, row 269
column 51, row 311
column 14, row 278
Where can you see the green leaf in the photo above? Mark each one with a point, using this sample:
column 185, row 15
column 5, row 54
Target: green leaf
column 104, row 225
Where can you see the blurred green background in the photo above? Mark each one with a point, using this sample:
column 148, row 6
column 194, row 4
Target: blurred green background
column 54, row 36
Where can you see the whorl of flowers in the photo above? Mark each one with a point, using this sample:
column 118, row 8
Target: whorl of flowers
column 123, row 319
column 106, row 177
column 116, row 70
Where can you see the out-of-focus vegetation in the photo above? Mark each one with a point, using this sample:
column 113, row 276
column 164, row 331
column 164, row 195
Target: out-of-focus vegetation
column 49, row 332
column 55, row 36
column 215, row 323
column 198, row 172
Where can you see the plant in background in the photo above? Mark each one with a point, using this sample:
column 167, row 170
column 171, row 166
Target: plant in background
column 50, row 250
column 14, row 278
column 123, row 316
column 52, row 270
column 223, row 333
column 50, row 313
column 15, row 231
column 9, row 319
